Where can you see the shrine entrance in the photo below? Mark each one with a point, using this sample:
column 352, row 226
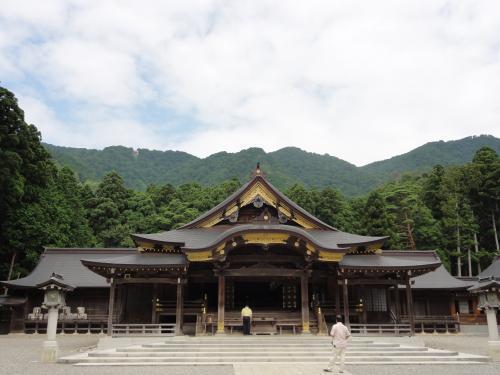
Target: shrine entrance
column 266, row 294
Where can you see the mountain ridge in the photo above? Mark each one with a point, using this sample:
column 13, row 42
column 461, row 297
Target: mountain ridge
column 284, row 167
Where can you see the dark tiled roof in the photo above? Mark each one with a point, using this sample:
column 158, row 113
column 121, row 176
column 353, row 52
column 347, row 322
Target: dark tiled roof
column 392, row 260
column 201, row 238
column 489, row 277
column 66, row 262
column 439, row 279
column 12, row 301
column 139, row 259
column 492, row 272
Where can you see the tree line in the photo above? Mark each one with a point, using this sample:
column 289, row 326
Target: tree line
column 453, row 210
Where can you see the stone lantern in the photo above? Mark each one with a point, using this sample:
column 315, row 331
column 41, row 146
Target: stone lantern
column 55, row 289
column 488, row 289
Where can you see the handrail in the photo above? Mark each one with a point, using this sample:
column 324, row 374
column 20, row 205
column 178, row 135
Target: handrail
column 431, row 318
column 143, row 330
column 370, row 329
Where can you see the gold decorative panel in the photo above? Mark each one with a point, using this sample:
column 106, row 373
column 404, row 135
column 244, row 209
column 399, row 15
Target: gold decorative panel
column 330, row 257
column 265, row 238
column 199, row 256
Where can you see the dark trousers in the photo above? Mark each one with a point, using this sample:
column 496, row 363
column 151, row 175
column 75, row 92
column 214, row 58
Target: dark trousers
column 246, row 325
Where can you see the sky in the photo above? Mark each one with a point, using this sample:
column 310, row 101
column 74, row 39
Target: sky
column 360, row 80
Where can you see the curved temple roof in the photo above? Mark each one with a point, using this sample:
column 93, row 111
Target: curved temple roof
column 439, row 279
column 70, row 264
column 66, row 262
column 202, row 238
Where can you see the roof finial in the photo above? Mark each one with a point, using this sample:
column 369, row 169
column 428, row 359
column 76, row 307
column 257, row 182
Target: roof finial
column 258, row 171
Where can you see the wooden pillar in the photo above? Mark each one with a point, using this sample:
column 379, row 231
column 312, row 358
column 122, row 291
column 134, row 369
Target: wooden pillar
column 397, row 303
column 153, row 305
column 337, row 297
column 409, row 305
column 346, row 301
column 179, row 308
column 364, row 293
column 221, row 305
column 304, row 290
column 453, row 309
column 111, row 304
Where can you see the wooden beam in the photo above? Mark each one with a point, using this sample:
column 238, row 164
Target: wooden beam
column 221, row 304
column 374, row 282
column 149, row 280
column 179, row 308
column 111, row 306
column 304, row 290
column 262, row 272
column 272, row 258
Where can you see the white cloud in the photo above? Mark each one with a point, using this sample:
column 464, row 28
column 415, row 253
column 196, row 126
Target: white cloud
column 359, row 80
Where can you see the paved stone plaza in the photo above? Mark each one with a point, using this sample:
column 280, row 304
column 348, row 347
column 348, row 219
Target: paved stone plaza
column 21, row 355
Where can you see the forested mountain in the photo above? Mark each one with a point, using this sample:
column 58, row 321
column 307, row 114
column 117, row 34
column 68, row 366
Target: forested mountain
column 284, row 167
column 454, row 210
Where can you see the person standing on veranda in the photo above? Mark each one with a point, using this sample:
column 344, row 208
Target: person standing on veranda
column 340, row 335
column 246, row 314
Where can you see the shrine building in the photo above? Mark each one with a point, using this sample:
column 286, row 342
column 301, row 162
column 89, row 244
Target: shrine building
column 259, row 248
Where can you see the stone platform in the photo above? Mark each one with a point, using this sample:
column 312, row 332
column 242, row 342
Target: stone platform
column 311, row 350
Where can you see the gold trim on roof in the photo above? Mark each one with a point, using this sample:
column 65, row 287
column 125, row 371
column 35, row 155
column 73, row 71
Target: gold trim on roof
column 326, row 256
column 265, row 238
column 199, row 256
column 269, row 197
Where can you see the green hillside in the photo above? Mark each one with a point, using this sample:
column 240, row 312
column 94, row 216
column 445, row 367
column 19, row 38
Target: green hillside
column 283, row 167
column 420, row 159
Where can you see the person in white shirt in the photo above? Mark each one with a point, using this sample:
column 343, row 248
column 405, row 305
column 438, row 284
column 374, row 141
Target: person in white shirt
column 340, row 335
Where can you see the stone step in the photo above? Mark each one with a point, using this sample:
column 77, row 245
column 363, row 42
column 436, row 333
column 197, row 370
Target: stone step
column 228, row 351
column 260, row 345
column 268, row 354
column 250, row 350
column 90, row 364
column 289, row 359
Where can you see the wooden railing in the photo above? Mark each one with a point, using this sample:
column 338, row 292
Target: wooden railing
column 380, row 329
column 96, row 323
column 119, row 330
column 434, row 323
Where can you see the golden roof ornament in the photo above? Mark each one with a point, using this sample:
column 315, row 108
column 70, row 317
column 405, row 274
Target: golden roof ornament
column 258, row 171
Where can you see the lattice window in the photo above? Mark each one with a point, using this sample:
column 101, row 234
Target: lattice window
column 289, row 297
column 375, row 300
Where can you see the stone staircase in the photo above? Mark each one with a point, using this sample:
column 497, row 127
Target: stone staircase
column 259, row 350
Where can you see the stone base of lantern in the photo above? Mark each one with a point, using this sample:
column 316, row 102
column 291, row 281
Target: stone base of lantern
column 494, row 350
column 50, row 352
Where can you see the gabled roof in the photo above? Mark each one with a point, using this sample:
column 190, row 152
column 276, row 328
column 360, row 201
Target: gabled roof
column 490, row 277
column 56, row 280
column 439, row 279
column 258, row 180
column 392, row 260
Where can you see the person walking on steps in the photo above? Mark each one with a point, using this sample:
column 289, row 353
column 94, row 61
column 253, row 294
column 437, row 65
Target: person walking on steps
column 246, row 314
column 340, row 335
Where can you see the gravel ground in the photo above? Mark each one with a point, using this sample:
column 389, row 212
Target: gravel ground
column 465, row 344
column 20, row 354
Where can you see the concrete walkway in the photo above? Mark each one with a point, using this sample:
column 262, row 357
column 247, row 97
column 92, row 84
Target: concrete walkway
column 20, row 355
